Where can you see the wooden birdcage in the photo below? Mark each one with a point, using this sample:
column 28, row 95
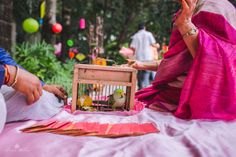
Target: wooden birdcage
column 94, row 85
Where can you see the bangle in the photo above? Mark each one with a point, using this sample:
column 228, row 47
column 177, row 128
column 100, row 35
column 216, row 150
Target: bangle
column 16, row 76
column 190, row 32
column 7, row 74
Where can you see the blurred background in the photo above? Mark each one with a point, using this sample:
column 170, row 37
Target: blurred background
column 48, row 36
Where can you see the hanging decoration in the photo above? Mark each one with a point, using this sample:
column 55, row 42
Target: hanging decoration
column 71, row 54
column 73, row 49
column 42, row 12
column 30, row 25
column 42, row 9
column 57, row 47
column 80, row 57
column 56, row 28
column 70, row 42
column 40, row 22
column 82, row 23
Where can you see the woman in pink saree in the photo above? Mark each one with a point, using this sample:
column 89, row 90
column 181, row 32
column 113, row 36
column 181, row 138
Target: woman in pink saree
column 197, row 77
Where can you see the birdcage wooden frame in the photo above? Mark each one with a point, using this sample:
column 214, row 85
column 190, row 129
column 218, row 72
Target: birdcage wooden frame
column 104, row 75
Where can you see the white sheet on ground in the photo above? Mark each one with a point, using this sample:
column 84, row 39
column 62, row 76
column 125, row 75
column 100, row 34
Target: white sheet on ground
column 178, row 138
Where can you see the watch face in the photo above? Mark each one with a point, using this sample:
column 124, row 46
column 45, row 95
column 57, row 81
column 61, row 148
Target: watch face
column 193, row 32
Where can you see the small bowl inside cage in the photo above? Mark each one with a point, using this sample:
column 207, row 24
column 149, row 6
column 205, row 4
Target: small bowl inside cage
column 111, row 62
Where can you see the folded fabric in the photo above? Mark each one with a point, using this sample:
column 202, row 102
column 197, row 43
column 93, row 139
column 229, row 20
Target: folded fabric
column 92, row 128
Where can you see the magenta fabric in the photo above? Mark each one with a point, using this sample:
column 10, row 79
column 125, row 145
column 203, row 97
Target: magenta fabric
column 209, row 91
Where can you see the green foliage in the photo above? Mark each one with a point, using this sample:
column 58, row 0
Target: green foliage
column 39, row 59
column 64, row 76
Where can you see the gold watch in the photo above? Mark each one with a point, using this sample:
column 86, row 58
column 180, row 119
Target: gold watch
column 190, row 32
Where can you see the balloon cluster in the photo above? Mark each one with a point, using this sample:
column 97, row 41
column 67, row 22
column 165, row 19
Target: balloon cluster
column 30, row 25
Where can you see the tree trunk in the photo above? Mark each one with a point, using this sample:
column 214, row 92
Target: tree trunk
column 125, row 27
column 66, row 22
column 6, row 23
column 49, row 20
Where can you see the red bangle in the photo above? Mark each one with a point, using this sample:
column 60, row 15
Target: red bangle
column 7, row 74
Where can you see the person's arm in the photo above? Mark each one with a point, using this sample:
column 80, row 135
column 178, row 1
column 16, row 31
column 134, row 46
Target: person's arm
column 2, row 74
column 191, row 38
column 152, row 66
column 5, row 58
column 23, row 81
column 187, row 29
column 133, row 45
column 156, row 45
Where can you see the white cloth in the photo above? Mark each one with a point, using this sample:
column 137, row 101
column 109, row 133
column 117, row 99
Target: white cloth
column 13, row 106
column 141, row 42
column 3, row 112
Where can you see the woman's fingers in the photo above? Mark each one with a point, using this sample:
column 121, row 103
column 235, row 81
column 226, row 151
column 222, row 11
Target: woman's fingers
column 36, row 95
column 137, row 65
column 188, row 7
column 30, row 98
column 134, row 65
column 191, row 4
column 33, row 96
column 64, row 92
column 59, row 93
column 185, row 6
column 40, row 90
column 188, row 2
column 130, row 61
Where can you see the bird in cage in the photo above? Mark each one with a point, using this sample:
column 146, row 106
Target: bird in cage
column 85, row 102
column 117, row 99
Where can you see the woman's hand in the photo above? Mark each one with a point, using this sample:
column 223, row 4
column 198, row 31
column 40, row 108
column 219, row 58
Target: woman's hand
column 57, row 90
column 138, row 65
column 151, row 65
column 185, row 26
column 185, row 16
column 135, row 64
column 27, row 83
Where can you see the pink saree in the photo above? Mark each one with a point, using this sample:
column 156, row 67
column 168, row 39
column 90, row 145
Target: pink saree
column 208, row 90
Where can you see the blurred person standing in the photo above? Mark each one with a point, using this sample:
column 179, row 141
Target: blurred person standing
column 141, row 45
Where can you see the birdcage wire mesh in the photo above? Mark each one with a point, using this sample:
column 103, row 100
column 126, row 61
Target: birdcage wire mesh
column 93, row 87
column 99, row 94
